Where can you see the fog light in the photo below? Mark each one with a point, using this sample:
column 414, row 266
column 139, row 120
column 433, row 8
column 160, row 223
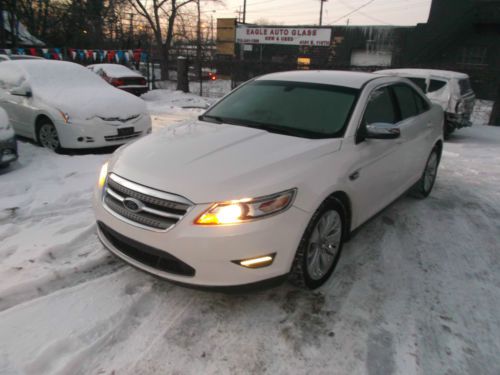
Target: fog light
column 259, row 262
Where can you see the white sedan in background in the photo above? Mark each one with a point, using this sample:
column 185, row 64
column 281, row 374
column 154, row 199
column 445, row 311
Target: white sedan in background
column 271, row 180
column 63, row 105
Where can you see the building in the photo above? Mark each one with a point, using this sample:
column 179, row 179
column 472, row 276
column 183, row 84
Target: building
column 460, row 35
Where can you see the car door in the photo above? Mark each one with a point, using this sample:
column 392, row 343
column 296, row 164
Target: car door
column 17, row 107
column 416, row 128
column 376, row 170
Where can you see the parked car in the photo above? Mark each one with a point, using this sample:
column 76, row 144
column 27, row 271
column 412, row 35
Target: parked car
column 451, row 90
column 19, row 57
column 207, row 74
column 8, row 145
column 271, row 180
column 64, row 105
column 121, row 77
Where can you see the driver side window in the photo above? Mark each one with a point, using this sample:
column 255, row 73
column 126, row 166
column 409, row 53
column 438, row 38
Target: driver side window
column 380, row 108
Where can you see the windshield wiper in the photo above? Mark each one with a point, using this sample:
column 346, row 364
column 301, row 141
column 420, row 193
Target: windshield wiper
column 210, row 118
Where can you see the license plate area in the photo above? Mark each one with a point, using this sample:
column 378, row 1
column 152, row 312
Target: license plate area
column 125, row 131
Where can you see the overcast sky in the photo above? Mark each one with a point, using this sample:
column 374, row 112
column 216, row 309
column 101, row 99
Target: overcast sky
column 300, row 12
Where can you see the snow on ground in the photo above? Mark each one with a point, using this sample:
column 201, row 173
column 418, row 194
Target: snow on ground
column 417, row 290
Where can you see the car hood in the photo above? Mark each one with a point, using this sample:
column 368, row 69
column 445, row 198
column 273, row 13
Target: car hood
column 207, row 162
column 88, row 102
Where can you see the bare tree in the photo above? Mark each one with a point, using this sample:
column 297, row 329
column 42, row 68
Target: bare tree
column 154, row 12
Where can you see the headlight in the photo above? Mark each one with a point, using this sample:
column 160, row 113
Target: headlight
column 233, row 212
column 65, row 117
column 460, row 107
column 103, row 175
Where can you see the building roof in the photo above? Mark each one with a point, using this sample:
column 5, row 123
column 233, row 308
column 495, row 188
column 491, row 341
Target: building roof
column 330, row 77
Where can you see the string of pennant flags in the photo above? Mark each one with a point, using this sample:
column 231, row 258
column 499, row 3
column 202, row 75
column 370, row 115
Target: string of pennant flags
column 82, row 55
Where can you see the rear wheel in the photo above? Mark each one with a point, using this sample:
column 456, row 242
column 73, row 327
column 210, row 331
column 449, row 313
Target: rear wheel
column 320, row 247
column 48, row 137
column 424, row 186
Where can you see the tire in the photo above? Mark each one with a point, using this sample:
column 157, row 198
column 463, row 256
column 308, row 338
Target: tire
column 448, row 129
column 47, row 136
column 313, row 264
column 424, row 186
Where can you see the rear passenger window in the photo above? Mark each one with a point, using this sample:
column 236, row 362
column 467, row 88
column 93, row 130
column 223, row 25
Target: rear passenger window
column 380, row 108
column 407, row 102
column 420, row 82
column 436, row 85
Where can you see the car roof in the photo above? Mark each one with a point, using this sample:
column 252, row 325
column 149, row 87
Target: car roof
column 423, row 73
column 329, row 77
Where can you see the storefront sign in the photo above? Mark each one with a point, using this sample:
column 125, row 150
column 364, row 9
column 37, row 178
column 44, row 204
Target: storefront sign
column 298, row 36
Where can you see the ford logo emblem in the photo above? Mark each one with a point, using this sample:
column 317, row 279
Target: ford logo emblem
column 132, row 204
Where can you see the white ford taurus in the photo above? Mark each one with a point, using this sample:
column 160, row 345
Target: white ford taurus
column 63, row 105
column 271, row 180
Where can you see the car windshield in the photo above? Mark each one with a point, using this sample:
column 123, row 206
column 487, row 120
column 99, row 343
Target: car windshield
column 21, row 57
column 58, row 74
column 294, row 108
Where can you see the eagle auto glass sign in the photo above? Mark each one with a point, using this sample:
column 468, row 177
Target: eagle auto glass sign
column 300, row 36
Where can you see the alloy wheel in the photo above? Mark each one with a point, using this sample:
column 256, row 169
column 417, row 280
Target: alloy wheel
column 48, row 137
column 324, row 244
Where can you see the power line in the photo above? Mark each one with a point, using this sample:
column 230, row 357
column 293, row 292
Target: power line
column 354, row 11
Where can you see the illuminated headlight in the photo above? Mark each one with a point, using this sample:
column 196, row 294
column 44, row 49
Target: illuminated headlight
column 234, row 212
column 103, row 175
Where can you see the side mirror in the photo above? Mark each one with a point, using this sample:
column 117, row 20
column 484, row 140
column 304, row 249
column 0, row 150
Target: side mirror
column 381, row 130
column 22, row 91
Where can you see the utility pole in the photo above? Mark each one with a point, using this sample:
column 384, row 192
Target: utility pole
column 321, row 12
column 198, row 47
column 244, row 10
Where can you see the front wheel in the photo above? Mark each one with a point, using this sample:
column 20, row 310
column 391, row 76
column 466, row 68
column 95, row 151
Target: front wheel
column 424, row 186
column 48, row 137
column 320, row 247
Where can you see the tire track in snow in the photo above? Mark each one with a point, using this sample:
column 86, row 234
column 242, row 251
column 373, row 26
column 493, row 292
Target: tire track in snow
column 57, row 280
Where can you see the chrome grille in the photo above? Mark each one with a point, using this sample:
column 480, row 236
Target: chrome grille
column 151, row 209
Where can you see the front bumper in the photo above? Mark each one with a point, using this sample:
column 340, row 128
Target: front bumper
column 101, row 134
column 209, row 251
column 8, row 151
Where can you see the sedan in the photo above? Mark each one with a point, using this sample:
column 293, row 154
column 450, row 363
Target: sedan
column 121, row 77
column 63, row 105
column 271, row 180
column 8, row 145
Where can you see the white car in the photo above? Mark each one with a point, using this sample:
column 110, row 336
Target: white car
column 121, row 77
column 8, row 145
column 19, row 57
column 63, row 105
column 271, row 180
column 450, row 90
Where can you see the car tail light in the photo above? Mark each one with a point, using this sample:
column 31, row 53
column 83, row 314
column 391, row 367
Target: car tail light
column 117, row 82
column 143, row 81
column 212, row 76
